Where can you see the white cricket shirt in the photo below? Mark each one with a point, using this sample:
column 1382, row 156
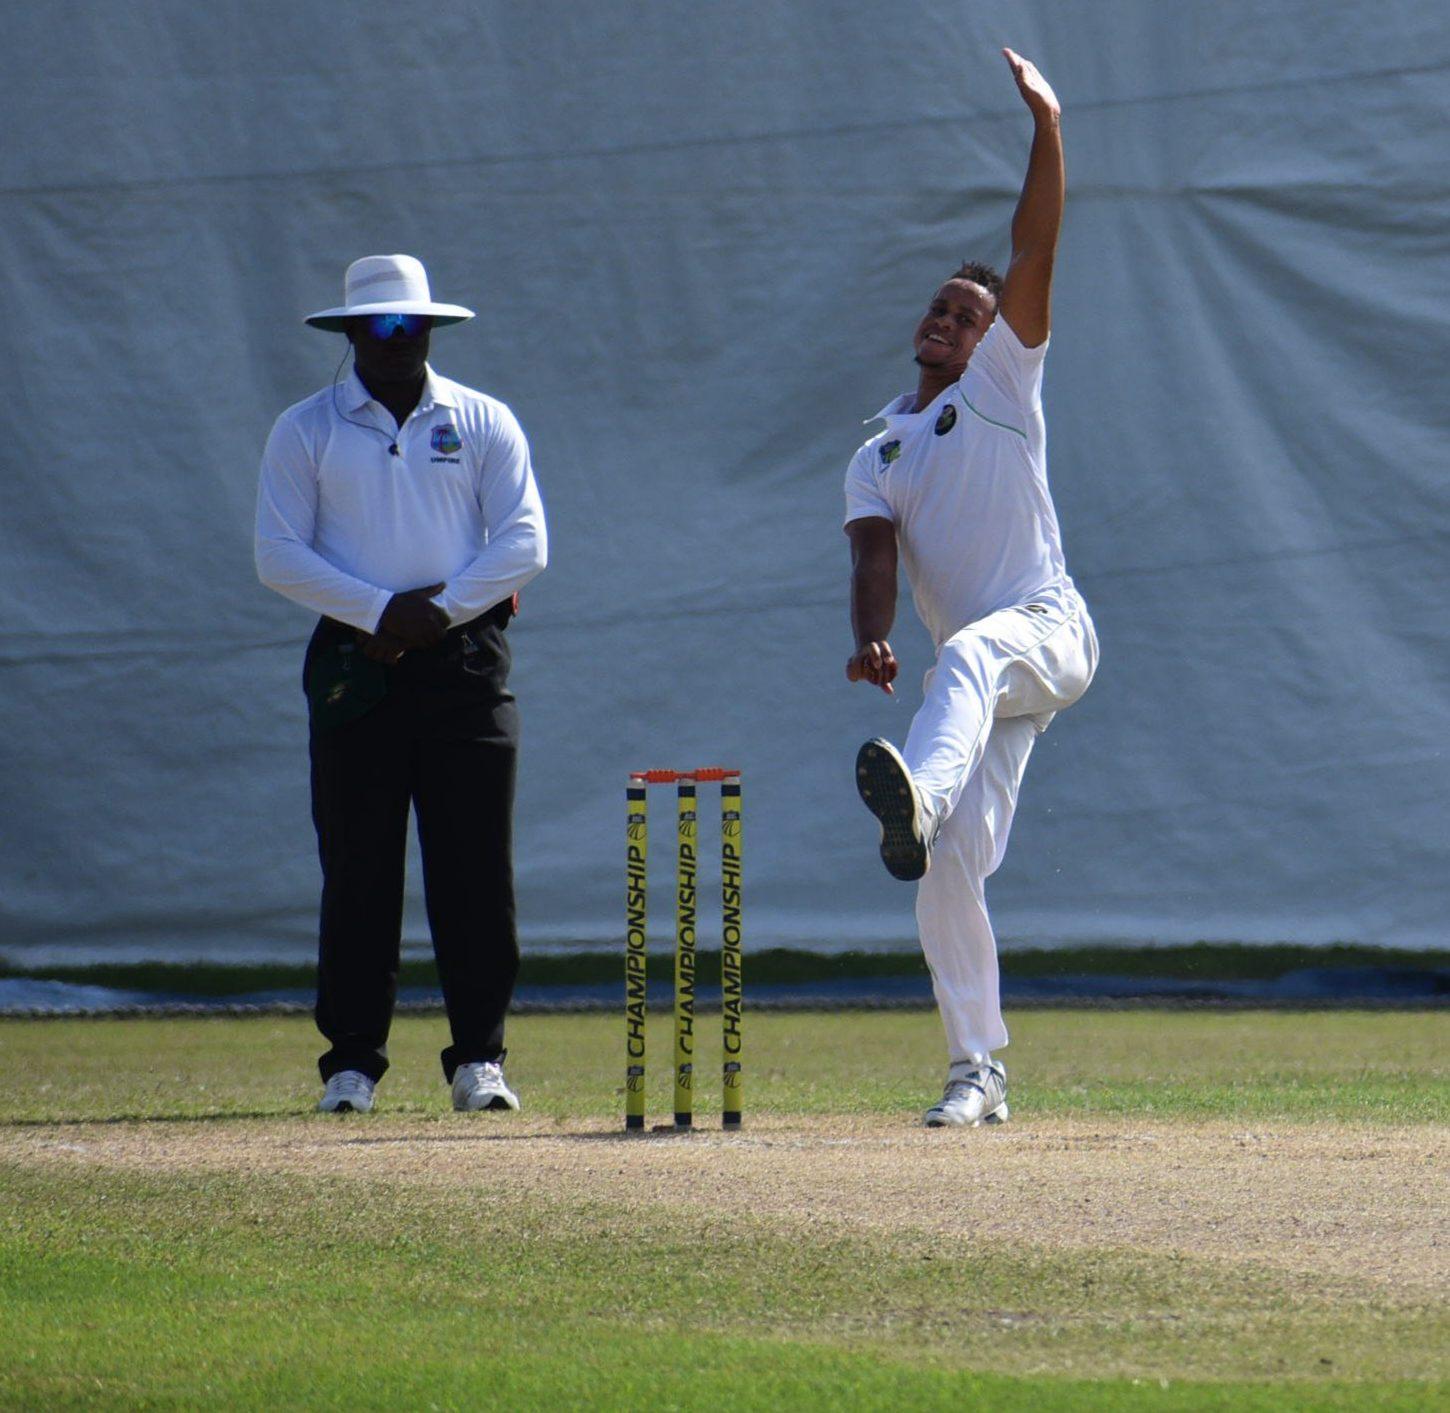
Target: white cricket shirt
column 965, row 483
column 343, row 523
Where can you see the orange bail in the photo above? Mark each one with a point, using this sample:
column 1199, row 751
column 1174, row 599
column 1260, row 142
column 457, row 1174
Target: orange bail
column 705, row 774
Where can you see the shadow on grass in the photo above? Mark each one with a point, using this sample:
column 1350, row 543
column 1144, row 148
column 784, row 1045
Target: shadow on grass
column 316, row 1122
column 323, row 1122
column 657, row 1135
column 102, row 1119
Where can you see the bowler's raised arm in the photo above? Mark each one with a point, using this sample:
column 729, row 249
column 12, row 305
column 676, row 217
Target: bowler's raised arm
column 1026, row 301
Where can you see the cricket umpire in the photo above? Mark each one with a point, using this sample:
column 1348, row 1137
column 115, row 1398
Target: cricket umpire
column 401, row 507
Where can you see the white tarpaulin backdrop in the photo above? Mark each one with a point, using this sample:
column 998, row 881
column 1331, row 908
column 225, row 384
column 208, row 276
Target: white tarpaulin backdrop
column 699, row 237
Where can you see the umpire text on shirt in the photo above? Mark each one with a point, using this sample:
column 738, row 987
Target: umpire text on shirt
column 401, row 507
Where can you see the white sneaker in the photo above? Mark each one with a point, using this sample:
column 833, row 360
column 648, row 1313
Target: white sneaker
column 480, row 1085
column 975, row 1094
column 908, row 828
column 348, row 1091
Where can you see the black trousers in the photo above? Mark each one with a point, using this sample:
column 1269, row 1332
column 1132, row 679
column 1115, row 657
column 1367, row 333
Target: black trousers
column 444, row 740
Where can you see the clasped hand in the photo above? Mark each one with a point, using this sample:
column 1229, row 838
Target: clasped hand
column 411, row 620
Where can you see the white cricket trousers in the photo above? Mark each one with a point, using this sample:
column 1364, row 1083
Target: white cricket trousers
column 995, row 687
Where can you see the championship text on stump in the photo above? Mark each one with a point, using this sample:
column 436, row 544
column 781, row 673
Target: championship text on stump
column 636, row 929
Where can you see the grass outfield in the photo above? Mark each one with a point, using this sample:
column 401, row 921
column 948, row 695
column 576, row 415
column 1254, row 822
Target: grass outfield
column 1187, row 1211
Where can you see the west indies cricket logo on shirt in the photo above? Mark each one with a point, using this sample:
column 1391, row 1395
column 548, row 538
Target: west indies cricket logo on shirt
column 445, row 440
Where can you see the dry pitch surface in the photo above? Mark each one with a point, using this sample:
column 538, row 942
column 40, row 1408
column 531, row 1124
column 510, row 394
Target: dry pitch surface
column 1329, row 1200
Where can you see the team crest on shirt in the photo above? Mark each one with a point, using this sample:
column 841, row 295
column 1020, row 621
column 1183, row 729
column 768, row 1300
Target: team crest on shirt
column 445, row 440
column 946, row 421
column 890, row 451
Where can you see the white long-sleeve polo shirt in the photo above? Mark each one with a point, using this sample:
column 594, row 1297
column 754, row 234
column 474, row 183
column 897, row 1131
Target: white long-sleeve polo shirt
column 344, row 521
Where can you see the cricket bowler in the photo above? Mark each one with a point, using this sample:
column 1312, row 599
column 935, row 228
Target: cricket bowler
column 956, row 485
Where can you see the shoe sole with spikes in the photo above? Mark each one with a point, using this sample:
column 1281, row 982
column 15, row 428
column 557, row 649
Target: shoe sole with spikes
column 886, row 790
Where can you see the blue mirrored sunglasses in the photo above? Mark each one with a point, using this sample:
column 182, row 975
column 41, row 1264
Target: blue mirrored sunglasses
column 384, row 326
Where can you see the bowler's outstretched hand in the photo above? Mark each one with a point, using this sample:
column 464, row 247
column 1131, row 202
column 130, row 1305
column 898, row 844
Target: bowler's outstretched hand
column 1036, row 92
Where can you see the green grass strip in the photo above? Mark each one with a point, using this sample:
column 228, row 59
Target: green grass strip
column 1201, row 961
column 1355, row 1067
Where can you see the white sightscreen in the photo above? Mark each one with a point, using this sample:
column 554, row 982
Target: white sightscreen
column 699, row 237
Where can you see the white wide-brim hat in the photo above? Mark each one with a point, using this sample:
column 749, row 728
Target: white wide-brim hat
column 386, row 284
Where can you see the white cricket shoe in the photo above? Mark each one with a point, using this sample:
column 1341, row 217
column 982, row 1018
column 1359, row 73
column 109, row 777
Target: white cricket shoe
column 480, row 1085
column 908, row 827
column 975, row 1094
column 347, row 1092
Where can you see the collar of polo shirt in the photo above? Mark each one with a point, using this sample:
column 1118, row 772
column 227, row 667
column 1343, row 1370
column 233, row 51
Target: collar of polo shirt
column 902, row 405
column 436, row 392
